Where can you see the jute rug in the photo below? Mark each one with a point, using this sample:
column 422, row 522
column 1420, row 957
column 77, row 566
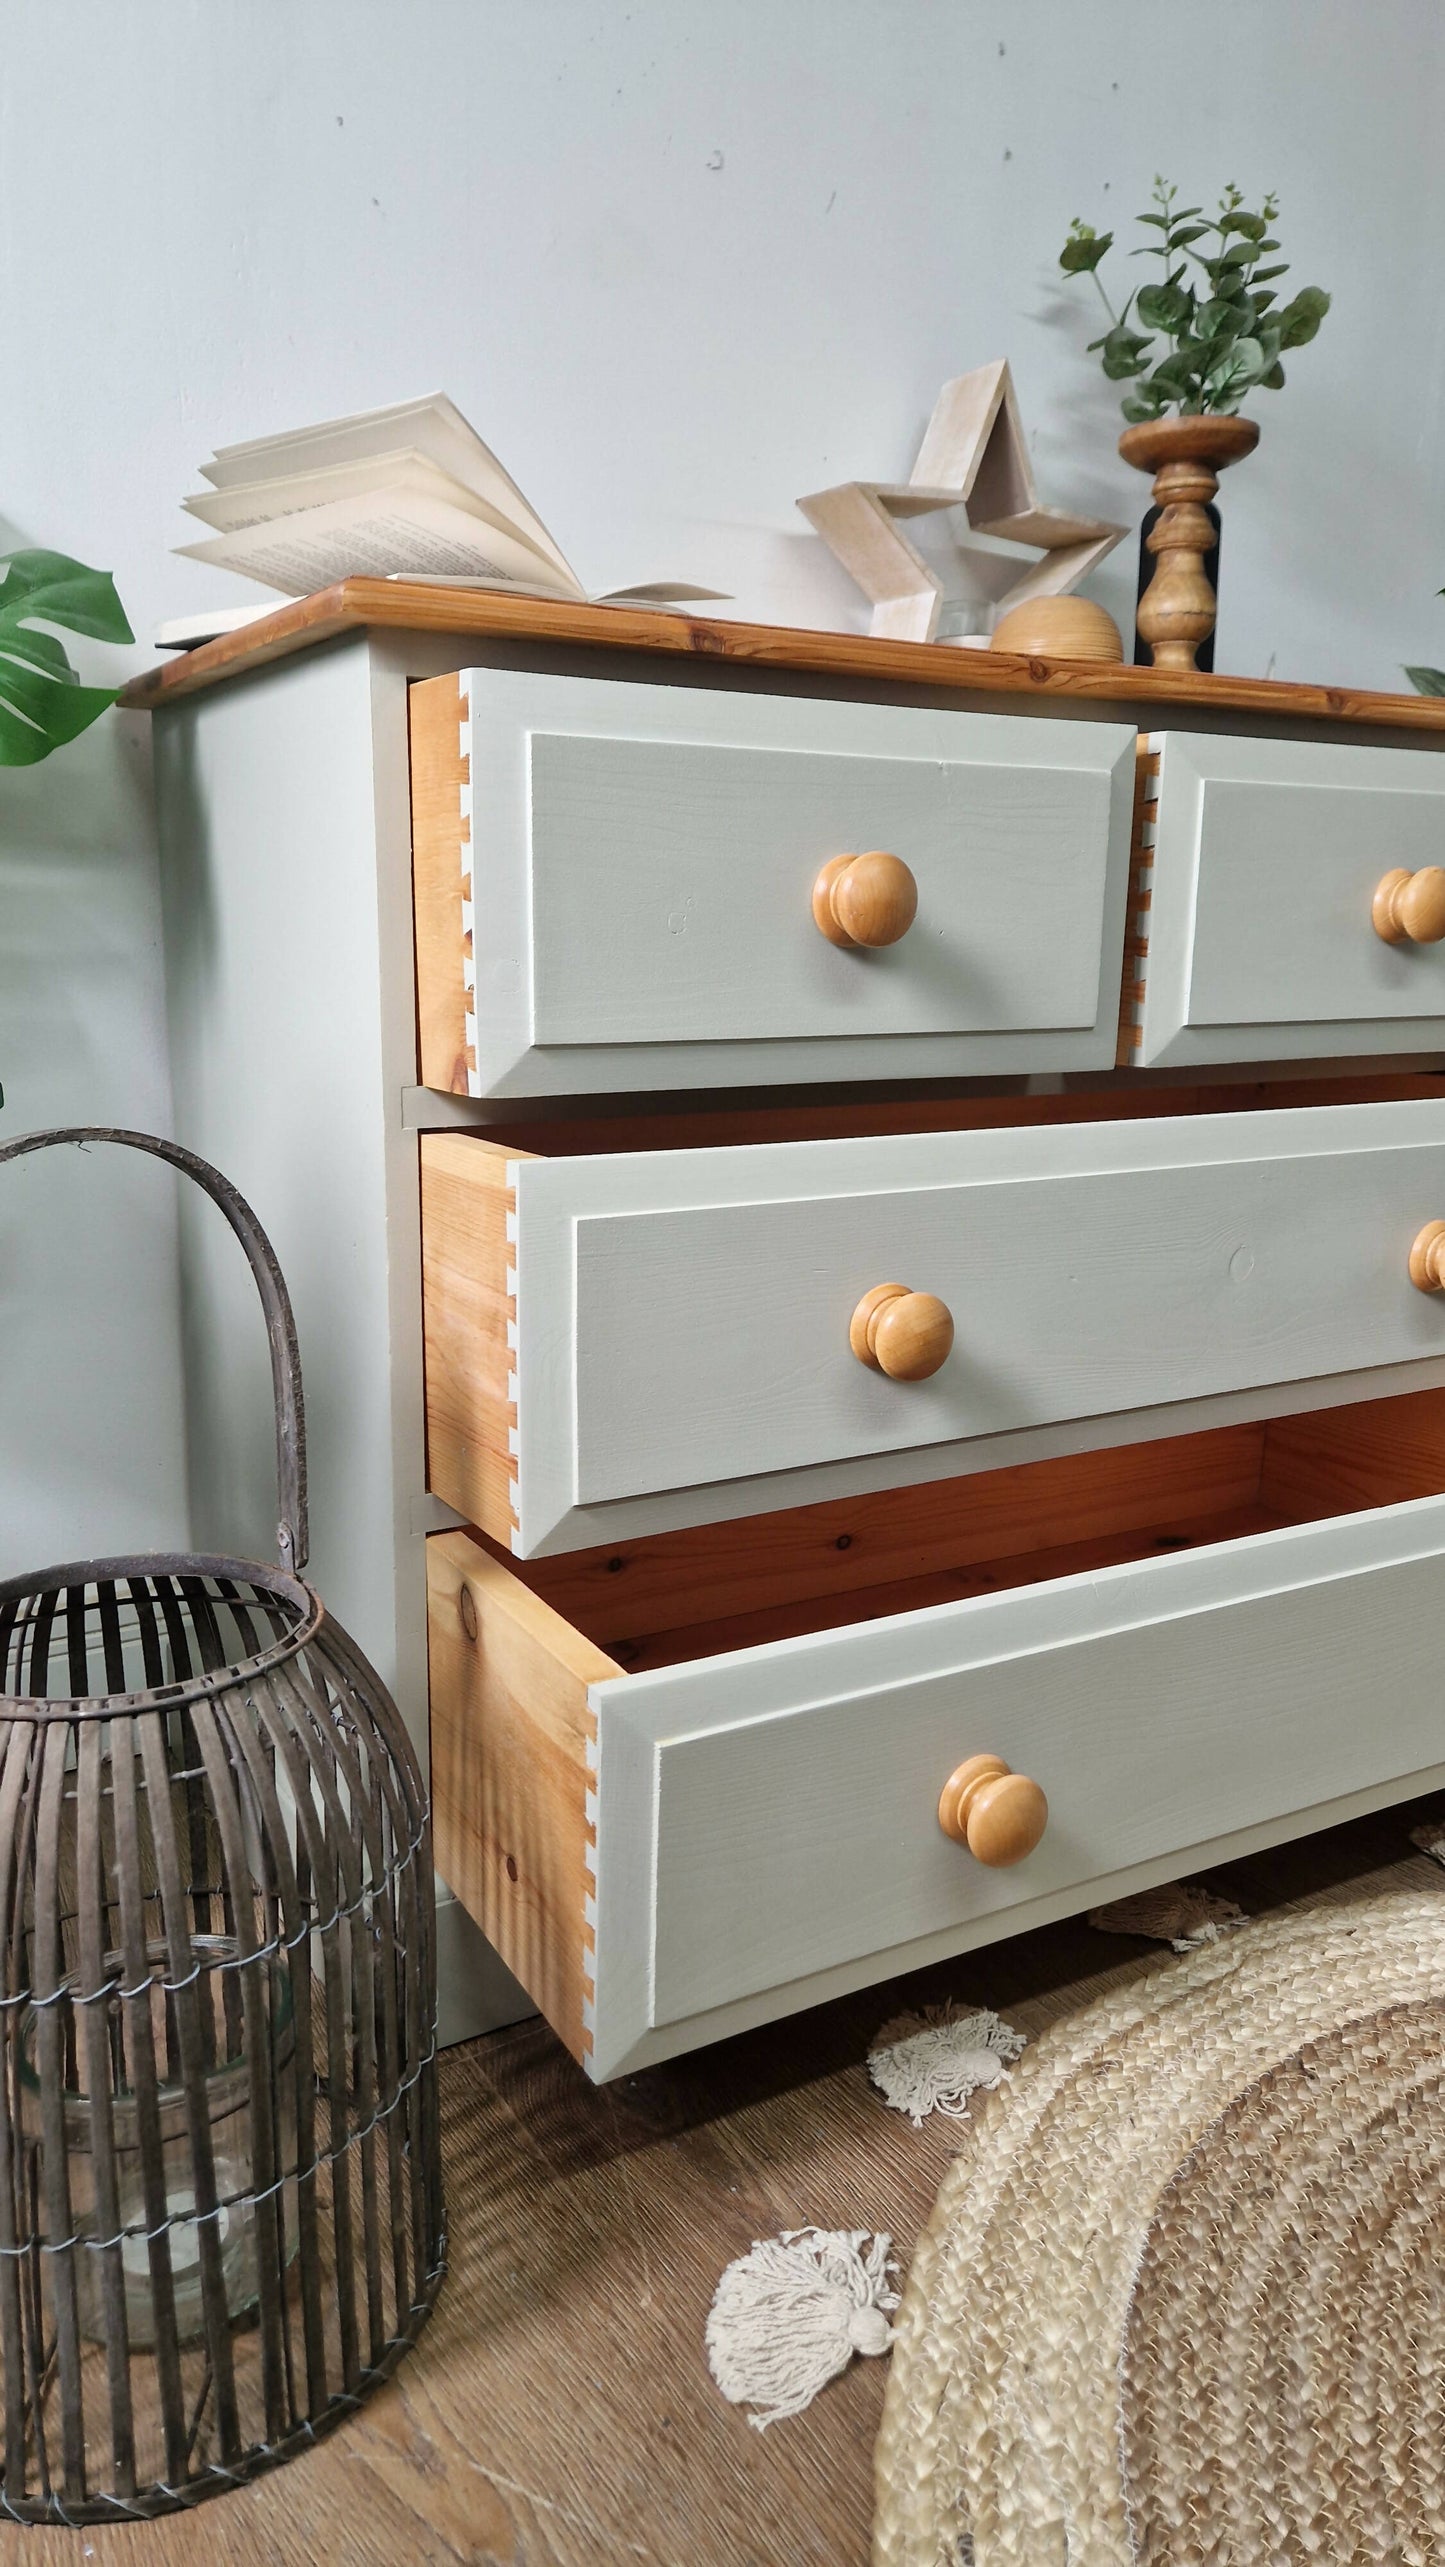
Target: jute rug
column 1182, row 2297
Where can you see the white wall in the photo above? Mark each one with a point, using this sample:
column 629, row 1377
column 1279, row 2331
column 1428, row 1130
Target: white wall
column 679, row 260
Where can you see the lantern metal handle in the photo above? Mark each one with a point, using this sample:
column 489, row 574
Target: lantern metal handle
column 291, row 1531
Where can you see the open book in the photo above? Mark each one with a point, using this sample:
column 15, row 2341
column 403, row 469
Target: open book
column 409, row 491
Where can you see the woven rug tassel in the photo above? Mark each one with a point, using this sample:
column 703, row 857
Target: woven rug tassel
column 1183, row 1913
column 789, row 2316
column 938, row 2060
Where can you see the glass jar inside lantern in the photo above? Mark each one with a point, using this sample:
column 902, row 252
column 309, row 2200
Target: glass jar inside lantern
column 131, row 2158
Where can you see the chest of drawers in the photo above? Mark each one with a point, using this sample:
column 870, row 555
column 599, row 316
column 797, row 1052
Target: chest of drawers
column 851, row 1212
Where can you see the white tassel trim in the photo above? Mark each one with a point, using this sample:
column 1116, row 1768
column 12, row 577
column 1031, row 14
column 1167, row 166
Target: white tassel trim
column 935, row 2062
column 1430, row 1839
column 789, row 2316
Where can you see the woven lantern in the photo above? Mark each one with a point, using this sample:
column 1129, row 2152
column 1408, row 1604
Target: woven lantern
column 220, row 2183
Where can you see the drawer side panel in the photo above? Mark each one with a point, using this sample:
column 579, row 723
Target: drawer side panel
column 469, row 1322
column 512, row 1743
column 441, row 883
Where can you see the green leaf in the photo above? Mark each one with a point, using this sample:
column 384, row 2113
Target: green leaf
column 1220, row 319
column 39, row 650
column 1156, row 222
column 1427, row 681
column 1124, row 352
column 42, row 703
column 57, row 590
column 1274, row 380
column 1165, row 307
column 1176, row 372
column 1083, row 249
column 1239, row 367
column 1300, row 320
column 24, row 743
column 1238, row 254
column 1138, row 406
column 1181, row 240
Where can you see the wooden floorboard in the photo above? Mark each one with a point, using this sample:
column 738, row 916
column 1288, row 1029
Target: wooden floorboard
column 558, row 2412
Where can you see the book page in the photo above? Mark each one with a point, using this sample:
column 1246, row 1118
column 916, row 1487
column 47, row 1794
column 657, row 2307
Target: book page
column 433, row 425
column 661, row 592
column 388, row 478
column 362, row 537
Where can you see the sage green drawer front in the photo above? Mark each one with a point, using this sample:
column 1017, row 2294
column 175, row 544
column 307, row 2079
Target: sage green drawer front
column 1267, row 856
column 642, row 862
column 767, row 1829
column 670, row 1331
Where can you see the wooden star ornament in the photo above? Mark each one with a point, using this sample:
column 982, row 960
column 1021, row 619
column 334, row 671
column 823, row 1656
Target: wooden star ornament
column 973, row 456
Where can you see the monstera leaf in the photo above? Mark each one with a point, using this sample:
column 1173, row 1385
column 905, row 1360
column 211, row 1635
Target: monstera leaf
column 42, row 702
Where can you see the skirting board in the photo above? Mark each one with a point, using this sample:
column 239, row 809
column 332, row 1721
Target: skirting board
column 477, row 1991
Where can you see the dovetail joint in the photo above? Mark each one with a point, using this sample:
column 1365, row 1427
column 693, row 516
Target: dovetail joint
column 464, row 852
column 1141, row 893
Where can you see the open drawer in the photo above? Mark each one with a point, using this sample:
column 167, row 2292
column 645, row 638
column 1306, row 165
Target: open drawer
column 1295, row 901
column 625, row 1341
column 617, row 887
column 694, row 1784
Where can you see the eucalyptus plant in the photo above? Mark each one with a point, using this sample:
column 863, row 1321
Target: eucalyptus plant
column 42, row 702
column 1215, row 306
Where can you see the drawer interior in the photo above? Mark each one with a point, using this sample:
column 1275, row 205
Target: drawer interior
column 1076, row 1099
column 515, row 1647
column 709, row 1588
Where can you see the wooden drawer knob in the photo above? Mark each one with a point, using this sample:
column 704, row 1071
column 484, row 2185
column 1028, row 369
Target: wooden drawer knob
column 867, row 900
column 1409, row 908
column 998, row 1814
column 904, row 1334
column 1427, row 1258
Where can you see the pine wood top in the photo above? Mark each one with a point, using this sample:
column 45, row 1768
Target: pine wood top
column 353, row 605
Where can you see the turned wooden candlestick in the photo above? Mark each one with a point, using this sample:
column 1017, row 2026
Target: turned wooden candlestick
column 1186, row 457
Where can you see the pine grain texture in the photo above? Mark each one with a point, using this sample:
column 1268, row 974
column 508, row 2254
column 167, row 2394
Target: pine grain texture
column 512, row 1748
column 468, row 1310
column 353, row 605
column 440, row 850
column 849, row 1547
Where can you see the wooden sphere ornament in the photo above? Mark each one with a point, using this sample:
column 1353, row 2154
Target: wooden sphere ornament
column 998, row 1814
column 1058, row 628
column 908, row 1335
column 1409, row 908
column 865, row 900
